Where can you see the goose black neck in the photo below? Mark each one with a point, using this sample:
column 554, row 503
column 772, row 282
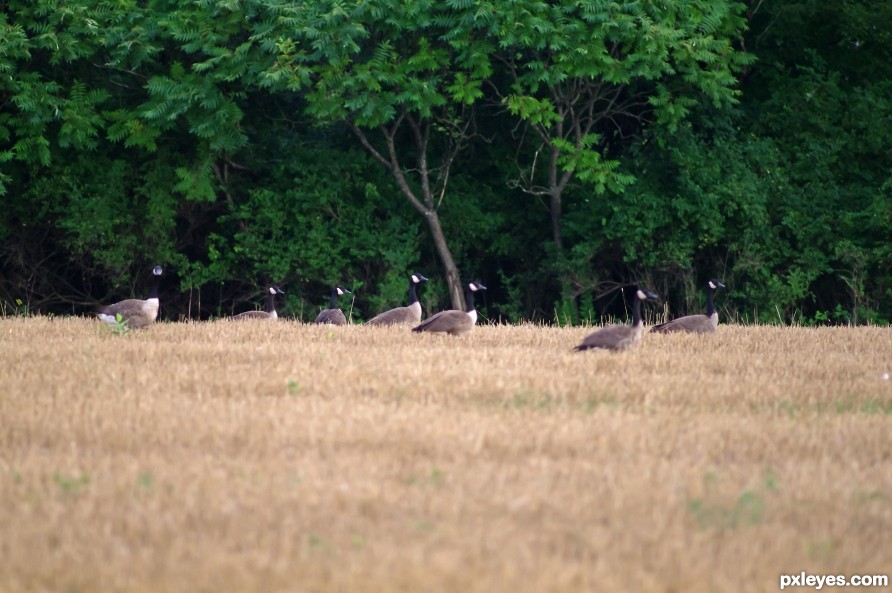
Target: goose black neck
column 469, row 300
column 333, row 299
column 153, row 294
column 710, row 303
column 413, row 296
column 636, row 311
column 270, row 302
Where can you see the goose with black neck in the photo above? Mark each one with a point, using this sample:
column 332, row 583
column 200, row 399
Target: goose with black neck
column 618, row 337
column 455, row 323
column 135, row 313
column 411, row 313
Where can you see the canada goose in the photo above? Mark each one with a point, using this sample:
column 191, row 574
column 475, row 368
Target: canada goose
column 135, row 313
column 408, row 314
column 618, row 336
column 270, row 312
column 697, row 324
column 454, row 322
column 333, row 315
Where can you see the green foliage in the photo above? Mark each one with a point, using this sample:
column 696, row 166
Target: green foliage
column 211, row 136
column 594, row 64
column 47, row 106
column 71, row 485
column 748, row 508
column 293, row 387
column 364, row 67
column 16, row 308
column 197, row 182
column 824, row 100
column 119, row 327
column 583, row 77
column 324, row 222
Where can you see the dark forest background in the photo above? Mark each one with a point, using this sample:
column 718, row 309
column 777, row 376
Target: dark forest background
column 553, row 150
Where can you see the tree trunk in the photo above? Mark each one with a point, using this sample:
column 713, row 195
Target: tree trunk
column 555, row 202
column 453, row 280
column 555, row 191
column 567, row 311
column 427, row 205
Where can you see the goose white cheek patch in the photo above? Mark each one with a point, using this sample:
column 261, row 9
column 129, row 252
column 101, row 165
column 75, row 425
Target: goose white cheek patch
column 712, row 286
column 641, row 295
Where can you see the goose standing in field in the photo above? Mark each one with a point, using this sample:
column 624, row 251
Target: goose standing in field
column 618, row 336
column 333, row 315
column 400, row 315
column 696, row 324
column 270, row 312
column 454, row 322
column 136, row 313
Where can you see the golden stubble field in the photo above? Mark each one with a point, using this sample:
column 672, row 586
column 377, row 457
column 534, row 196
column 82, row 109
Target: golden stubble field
column 266, row 457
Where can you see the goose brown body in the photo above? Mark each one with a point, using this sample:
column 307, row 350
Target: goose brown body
column 613, row 337
column 619, row 337
column 332, row 317
column 136, row 313
column 450, row 322
column 255, row 315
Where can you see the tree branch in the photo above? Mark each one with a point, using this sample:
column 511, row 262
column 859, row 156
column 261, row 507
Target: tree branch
column 394, row 167
column 422, row 137
column 363, row 139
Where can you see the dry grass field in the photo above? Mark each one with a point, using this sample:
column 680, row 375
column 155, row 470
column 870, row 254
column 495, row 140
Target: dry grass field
column 268, row 457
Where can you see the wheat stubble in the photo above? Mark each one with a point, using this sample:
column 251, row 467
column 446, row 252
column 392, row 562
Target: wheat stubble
column 289, row 457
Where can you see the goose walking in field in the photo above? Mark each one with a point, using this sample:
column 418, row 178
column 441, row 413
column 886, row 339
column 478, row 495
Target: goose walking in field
column 270, row 312
column 401, row 315
column 696, row 324
column 136, row 313
column 618, row 336
column 333, row 315
column 454, row 322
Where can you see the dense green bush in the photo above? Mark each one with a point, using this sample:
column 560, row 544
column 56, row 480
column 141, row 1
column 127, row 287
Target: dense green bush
column 224, row 140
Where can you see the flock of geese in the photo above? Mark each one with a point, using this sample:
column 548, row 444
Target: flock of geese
column 138, row 313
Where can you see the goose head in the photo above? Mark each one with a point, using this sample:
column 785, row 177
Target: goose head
column 642, row 294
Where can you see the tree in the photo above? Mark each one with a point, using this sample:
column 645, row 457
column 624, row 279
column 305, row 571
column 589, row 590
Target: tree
column 243, row 141
column 786, row 195
column 823, row 95
column 124, row 122
column 585, row 76
column 390, row 72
